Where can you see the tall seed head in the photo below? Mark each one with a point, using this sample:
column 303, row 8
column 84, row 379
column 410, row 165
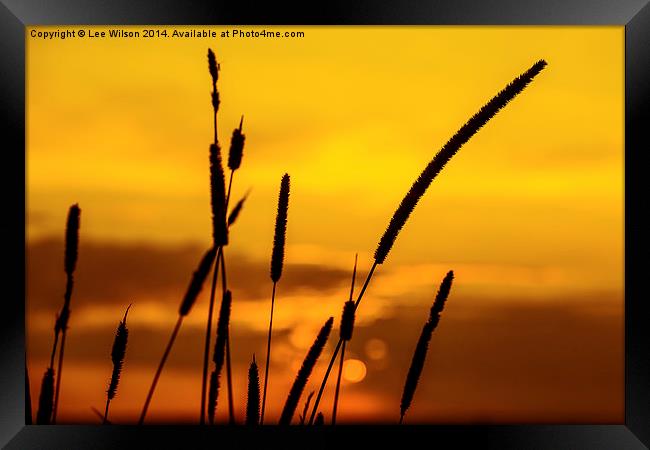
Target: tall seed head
column 212, row 395
column 218, row 198
column 196, row 284
column 234, row 213
column 236, row 147
column 72, row 239
column 417, row 364
column 420, row 354
column 222, row 331
column 118, row 353
column 441, row 296
column 439, row 161
column 213, row 66
column 305, row 371
column 219, row 355
column 46, row 398
column 253, row 399
column 277, row 257
column 347, row 320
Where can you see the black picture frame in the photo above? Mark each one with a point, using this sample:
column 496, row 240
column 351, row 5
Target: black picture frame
column 16, row 15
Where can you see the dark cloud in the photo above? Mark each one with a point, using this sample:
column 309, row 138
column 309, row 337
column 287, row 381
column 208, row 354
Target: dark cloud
column 541, row 362
column 146, row 344
column 115, row 273
column 39, row 218
column 560, row 362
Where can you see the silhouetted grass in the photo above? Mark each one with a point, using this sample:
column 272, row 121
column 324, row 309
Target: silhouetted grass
column 253, row 399
column 347, row 320
column 198, row 278
column 277, row 261
column 303, row 416
column 219, row 355
column 234, row 213
column 100, row 415
column 208, row 332
column 279, row 237
column 304, row 372
column 49, row 395
column 213, row 68
column 420, row 354
column 212, row 395
column 222, row 330
column 218, row 209
column 468, row 130
column 419, row 187
column 196, row 283
column 72, row 239
column 46, row 399
column 220, row 199
column 236, row 147
column 219, row 237
column 347, row 327
column 234, row 162
column 61, row 326
column 118, row 352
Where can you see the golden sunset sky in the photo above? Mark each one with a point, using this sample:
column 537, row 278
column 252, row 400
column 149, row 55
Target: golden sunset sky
column 529, row 215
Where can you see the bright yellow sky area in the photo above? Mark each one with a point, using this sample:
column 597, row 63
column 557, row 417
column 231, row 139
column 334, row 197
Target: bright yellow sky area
column 530, row 209
column 122, row 126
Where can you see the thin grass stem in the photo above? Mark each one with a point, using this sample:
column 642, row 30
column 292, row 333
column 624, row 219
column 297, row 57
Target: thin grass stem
column 58, row 377
column 224, row 286
column 302, row 377
column 105, row 418
column 268, row 356
column 338, row 384
column 208, row 334
column 160, row 368
column 322, row 386
column 338, row 347
column 231, row 408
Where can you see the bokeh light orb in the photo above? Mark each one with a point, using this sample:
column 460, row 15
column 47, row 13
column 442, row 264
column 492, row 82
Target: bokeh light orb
column 376, row 349
column 354, row 370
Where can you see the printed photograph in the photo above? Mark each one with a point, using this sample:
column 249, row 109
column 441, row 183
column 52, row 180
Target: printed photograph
column 324, row 225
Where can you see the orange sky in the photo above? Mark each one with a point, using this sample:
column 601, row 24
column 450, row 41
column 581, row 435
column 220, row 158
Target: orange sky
column 529, row 214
